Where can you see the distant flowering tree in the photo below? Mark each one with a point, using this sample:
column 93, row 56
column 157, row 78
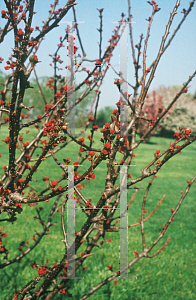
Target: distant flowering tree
column 53, row 135
column 151, row 110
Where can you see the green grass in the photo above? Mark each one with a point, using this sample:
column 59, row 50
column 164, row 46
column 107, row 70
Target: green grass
column 170, row 275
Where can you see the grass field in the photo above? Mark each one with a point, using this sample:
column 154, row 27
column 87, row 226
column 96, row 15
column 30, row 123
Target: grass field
column 170, row 275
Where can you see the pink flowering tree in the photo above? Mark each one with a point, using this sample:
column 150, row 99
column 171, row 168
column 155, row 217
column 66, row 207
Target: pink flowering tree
column 150, row 112
column 49, row 134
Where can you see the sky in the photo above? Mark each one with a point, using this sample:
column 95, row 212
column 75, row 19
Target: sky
column 176, row 65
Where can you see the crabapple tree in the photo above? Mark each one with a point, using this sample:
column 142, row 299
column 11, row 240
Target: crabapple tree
column 32, row 146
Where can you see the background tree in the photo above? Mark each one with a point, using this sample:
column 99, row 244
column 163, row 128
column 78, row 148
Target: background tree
column 104, row 116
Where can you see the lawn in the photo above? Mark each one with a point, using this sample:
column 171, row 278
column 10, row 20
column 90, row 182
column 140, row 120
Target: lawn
column 170, row 275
